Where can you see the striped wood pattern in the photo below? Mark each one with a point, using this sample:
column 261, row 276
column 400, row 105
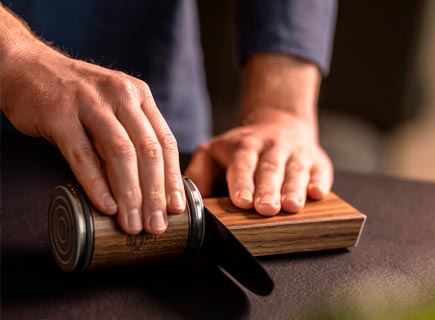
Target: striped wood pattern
column 113, row 247
column 330, row 223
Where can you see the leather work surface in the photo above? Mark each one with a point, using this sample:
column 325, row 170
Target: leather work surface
column 395, row 255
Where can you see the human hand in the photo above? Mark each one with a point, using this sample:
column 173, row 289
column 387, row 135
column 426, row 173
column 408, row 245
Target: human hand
column 107, row 126
column 272, row 162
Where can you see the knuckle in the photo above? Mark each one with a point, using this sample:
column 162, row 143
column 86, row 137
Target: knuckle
column 247, row 143
column 120, row 83
column 317, row 177
column 240, row 167
column 269, row 165
column 125, row 87
column 145, row 88
column 150, row 149
column 297, row 166
column 174, row 179
column 124, row 84
column 155, row 198
column 320, row 172
column 265, row 188
column 287, row 188
column 241, row 182
column 119, row 74
column 131, row 195
column 122, row 148
column 169, row 142
column 82, row 153
column 93, row 183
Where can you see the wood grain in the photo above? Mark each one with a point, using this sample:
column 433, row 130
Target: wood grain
column 330, row 223
column 327, row 224
column 113, row 247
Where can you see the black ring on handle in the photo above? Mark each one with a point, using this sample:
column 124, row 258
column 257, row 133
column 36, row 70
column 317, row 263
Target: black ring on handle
column 195, row 208
column 89, row 244
column 69, row 199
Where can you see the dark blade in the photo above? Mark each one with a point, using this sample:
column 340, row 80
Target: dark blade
column 222, row 247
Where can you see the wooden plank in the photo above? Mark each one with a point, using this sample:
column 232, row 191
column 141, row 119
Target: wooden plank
column 330, row 223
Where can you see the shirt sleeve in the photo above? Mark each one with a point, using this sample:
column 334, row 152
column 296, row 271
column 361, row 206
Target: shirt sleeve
column 302, row 28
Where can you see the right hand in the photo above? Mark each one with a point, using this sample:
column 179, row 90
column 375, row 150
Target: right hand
column 108, row 128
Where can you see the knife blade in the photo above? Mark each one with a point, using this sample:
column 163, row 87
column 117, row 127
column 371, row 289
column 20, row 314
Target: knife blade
column 221, row 247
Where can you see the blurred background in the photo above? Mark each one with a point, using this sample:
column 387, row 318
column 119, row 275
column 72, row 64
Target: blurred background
column 377, row 106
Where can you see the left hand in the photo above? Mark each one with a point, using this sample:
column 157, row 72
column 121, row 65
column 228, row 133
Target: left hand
column 272, row 162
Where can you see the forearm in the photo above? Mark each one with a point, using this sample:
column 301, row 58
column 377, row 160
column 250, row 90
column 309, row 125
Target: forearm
column 17, row 43
column 12, row 29
column 276, row 82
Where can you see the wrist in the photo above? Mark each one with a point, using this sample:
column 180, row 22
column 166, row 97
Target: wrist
column 274, row 118
column 279, row 84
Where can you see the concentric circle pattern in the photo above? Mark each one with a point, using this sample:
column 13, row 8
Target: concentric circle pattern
column 64, row 228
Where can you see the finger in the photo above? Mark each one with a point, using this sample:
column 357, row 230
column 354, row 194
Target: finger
column 175, row 194
column 83, row 160
column 150, row 164
column 116, row 149
column 321, row 180
column 268, row 181
column 294, row 188
column 241, row 171
column 202, row 170
column 174, row 187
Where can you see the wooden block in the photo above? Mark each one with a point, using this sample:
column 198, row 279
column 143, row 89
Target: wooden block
column 330, row 223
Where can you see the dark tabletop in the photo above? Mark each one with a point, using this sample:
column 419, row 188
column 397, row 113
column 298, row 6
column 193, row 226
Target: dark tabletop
column 393, row 264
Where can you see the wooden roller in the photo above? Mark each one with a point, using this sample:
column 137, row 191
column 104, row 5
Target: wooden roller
column 83, row 238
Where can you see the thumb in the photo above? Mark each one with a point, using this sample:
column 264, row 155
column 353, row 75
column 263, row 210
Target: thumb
column 202, row 170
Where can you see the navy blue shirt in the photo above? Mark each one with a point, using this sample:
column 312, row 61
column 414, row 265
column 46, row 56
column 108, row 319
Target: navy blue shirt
column 158, row 42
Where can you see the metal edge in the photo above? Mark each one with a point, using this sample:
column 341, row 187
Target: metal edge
column 86, row 258
column 195, row 208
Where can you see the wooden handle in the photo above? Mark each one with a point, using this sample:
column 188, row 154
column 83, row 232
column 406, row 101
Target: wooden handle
column 330, row 223
column 113, row 247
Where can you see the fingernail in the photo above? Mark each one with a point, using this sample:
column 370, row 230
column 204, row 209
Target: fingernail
column 245, row 194
column 134, row 220
column 110, row 203
column 267, row 199
column 158, row 221
column 176, row 200
column 293, row 196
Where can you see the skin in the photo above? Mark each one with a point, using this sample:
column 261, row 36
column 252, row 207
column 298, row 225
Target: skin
column 105, row 123
column 273, row 160
column 109, row 129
